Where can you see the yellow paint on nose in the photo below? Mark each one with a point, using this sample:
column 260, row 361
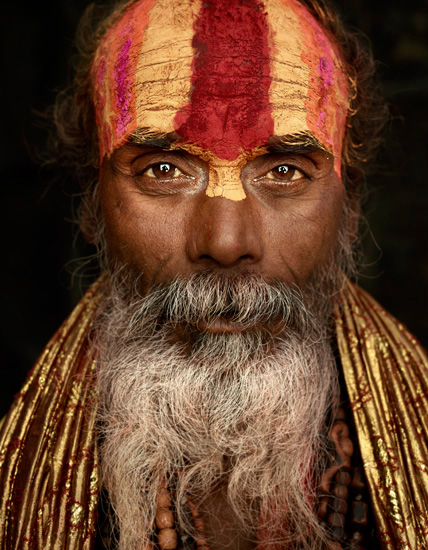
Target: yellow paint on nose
column 224, row 176
column 225, row 180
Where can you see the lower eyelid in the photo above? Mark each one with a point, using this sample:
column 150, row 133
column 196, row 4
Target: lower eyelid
column 295, row 177
column 146, row 171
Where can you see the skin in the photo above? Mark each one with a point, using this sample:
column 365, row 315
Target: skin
column 166, row 226
column 221, row 115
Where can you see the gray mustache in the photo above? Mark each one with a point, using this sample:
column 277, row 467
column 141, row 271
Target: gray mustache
column 245, row 299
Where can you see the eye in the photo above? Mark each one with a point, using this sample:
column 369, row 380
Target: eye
column 162, row 170
column 284, row 173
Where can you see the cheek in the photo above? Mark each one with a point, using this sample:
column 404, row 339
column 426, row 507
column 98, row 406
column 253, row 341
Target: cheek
column 304, row 233
column 138, row 233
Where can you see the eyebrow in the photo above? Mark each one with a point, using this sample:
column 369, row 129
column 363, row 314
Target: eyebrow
column 298, row 143
column 148, row 138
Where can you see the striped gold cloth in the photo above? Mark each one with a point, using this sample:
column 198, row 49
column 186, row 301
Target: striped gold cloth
column 386, row 374
column 48, row 451
column 48, row 455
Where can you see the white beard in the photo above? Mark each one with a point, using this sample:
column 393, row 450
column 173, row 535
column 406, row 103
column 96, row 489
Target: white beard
column 247, row 409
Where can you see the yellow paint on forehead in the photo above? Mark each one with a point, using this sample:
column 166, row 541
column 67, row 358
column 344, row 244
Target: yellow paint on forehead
column 289, row 87
column 164, row 70
column 142, row 70
column 309, row 90
column 224, row 177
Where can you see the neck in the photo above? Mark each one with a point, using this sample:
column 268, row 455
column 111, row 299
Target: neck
column 223, row 531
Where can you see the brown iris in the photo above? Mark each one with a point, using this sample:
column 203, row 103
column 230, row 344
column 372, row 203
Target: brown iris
column 163, row 170
column 283, row 172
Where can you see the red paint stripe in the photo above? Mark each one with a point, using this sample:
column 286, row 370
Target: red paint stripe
column 229, row 110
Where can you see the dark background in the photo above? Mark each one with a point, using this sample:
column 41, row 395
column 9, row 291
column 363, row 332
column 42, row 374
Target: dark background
column 39, row 238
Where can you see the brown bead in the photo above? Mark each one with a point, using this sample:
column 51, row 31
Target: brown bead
column 201, row 542
column 340, row 414
column 163, row 499
column 337, row 532
column 358, row 479
column 357, row 536
column 340, row 491
column 347, row 446
column 339, row 505
column 341, row 458
column 323, row 507
column 164, row 518
column 359, row 513
column 325, row 482
column 167, row 539
column 342, row 429
column 343, row 477
column 199, row 523
column 336, row 520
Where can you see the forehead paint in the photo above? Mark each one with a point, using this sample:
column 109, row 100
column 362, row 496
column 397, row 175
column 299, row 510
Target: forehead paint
column 226, row 75
column 327, row 101
column 225, row 176
column 142, row 70
column 309, row 92
column 229, row 110
column 112, row 77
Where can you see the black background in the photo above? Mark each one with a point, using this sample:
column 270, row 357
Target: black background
column 39, row 238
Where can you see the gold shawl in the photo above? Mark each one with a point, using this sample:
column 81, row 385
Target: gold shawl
column 48, row 451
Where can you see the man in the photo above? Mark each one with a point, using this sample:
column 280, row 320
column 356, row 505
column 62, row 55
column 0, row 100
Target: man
column 212, row 380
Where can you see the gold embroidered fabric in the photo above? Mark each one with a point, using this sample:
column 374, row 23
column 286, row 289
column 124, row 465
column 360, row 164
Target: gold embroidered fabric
column 48, row 454
column 386, row 374
column 48, row 458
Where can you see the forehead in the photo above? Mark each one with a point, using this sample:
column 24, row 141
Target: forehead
column 224, row 75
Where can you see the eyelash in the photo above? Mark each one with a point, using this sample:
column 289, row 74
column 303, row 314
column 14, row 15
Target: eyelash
column 172, row 167
column 290, row 168
column 288, row 181
column 148, row 168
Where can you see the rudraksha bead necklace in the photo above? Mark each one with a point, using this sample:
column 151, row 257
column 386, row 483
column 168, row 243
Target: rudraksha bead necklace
column 342, row 484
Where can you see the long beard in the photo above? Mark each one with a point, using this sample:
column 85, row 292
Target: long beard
column 246, row 410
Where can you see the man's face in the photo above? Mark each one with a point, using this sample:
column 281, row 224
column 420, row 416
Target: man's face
column 220, row 128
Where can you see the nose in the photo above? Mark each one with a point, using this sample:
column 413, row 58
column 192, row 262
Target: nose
column 224, row 233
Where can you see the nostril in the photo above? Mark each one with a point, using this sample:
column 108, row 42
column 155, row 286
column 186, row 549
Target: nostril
column 224, row 234
column 221, row 262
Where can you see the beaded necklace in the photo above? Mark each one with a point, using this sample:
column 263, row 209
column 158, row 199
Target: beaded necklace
column 342, row 504
column 343, row 501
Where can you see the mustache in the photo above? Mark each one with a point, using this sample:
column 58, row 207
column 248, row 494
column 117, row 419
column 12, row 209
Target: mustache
column 245, row 299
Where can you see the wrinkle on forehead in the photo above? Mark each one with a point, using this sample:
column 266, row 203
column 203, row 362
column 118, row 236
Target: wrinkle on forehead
column 290, row 76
